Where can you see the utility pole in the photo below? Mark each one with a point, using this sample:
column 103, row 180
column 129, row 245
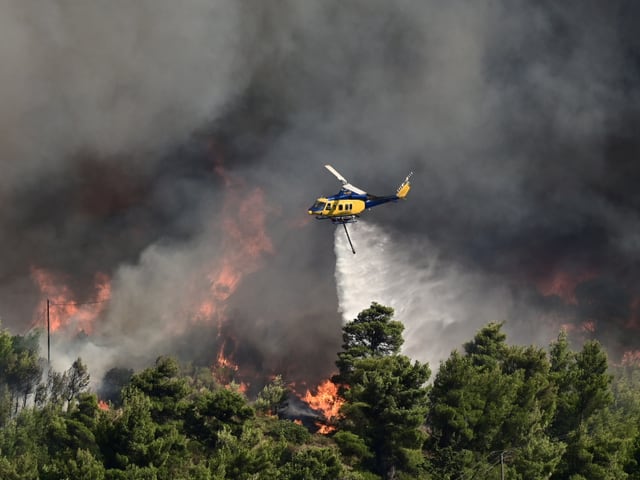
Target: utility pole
column 48, row 333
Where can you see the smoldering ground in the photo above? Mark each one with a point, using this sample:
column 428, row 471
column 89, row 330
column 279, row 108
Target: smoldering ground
column 518, row 120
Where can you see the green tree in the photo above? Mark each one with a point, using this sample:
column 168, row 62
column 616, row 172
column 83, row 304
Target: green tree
column 80, row 466
column 271, row 397
column 55, row 390
column 488, row 348
column 249, row 455
column 491, row 400
column 24, row 444
column 372, row 334
column 125, row 438
column 24, row 368
column 77, row 381
column 318, row 463
column 593, row 379
column 632, row 463
column 385, row 393
column 584, row 390
column 6, row 359
column 626, row 411
column 65, row 434
column 353, row 448
column 386, row 406
column 212, row 412
column 165, row 387
column 284, row 430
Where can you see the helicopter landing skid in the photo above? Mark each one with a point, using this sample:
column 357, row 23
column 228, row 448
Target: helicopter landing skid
column 343, row 220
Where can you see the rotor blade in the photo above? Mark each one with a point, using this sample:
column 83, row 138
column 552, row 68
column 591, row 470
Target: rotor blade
column 337, row 174
column 354, row 189
column 344, row 181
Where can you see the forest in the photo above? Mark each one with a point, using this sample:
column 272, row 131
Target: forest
column 493, row 410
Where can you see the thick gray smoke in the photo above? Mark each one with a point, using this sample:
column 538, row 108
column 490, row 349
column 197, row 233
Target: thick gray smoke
column 134, row 134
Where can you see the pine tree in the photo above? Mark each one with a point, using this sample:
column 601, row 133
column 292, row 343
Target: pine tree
column 77, row 380
column 584, row 392
column 493, row 402
column 385, row 393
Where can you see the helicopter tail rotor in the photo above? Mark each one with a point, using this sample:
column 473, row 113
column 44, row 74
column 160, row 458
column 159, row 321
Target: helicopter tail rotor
column 404, row 187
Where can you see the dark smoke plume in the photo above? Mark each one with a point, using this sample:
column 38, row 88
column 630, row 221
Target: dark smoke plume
column 122, row 125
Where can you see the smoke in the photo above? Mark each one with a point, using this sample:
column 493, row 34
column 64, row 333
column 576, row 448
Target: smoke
column 517, row 122
column 111, row 78
column 439, row 304
column 133, row 134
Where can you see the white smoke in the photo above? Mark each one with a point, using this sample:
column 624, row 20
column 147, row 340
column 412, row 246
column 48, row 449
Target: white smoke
column 440, row 305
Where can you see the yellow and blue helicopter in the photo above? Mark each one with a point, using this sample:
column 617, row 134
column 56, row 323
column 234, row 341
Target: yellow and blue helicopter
column 347, row 205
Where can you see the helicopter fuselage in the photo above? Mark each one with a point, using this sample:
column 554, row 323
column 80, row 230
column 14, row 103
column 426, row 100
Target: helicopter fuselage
column 346, row 205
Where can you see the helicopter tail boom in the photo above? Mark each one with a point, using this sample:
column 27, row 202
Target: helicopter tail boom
column 404, row 187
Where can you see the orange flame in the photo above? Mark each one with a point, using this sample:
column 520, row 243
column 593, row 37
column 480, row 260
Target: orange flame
column 223, row 361
column 224, row 371
column 568, row 327
column 563, row 284
column 325, row 429
column 327, row 401
column 631, row 358
column 244, row 244
column 64, row 310
column 245, row 241
column 102, row 405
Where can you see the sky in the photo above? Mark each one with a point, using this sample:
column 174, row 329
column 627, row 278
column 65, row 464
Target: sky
column 158, row 158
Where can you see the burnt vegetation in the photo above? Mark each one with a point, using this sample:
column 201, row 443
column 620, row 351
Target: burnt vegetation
column 492, row 410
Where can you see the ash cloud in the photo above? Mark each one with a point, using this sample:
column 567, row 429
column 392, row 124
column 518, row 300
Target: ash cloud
column 519, row 120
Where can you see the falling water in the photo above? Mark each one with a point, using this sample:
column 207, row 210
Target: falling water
column 440, row 306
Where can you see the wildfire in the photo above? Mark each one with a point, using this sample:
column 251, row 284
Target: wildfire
column 225, row 371
column 327, row 401
column 64, row 309
column 102, row 405
column 245, row 241
column 631, row 358
column 225, row 362
column 243, row 245
column 563, row 284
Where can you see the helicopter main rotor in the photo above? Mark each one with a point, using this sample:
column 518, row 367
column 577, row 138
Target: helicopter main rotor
column 345, row 184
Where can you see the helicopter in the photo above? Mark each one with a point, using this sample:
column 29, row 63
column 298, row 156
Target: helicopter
column 347, row 205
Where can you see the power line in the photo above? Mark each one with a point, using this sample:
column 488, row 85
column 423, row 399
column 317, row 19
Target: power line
column 79, row 303
column 499, row 460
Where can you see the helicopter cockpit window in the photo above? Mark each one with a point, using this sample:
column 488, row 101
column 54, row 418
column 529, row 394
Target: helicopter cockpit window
column 318, row 206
